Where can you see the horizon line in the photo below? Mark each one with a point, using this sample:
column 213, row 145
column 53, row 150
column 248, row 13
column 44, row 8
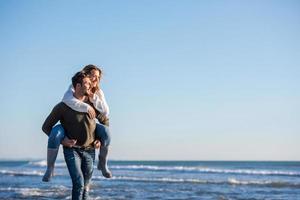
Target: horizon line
column 151, row 160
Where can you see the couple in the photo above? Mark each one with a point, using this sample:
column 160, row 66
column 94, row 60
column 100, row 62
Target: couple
column 78, row 132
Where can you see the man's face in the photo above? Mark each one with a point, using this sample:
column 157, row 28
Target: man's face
column 86, row 86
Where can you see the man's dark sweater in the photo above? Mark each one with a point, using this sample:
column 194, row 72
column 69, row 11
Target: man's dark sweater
column 77, row 125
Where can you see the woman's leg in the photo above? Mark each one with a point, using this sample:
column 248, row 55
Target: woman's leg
column 56, row 136
column 103, row 134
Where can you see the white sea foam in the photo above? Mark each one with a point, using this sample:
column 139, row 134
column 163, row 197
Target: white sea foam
column 207, row 170
column 18, row 189
column 21, row 173
column 43, row 163
column 37, row 192
column 230, row 181
column 30, row 192
column 279, row 184
column 26, row 173
column 144, row 179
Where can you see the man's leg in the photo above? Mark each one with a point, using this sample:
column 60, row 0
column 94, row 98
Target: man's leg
column 73, row 160
column 87, row 167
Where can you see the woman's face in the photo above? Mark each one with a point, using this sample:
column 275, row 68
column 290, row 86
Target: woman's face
column 95, row 77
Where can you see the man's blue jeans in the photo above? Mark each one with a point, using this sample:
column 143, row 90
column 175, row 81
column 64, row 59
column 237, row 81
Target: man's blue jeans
column 80, row 163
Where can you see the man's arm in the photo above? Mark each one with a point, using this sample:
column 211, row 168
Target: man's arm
column 52, row 119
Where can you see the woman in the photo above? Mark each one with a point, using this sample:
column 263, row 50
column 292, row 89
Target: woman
column 102, row 131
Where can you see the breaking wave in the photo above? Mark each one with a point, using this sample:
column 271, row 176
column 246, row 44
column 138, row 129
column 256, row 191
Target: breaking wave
column 230, row 181
column 207, row 170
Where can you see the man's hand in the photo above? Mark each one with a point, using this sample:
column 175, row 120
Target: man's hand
column 68, row 142
column 97, row 144
column 92, row 112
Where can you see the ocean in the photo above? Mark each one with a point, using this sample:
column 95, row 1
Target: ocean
column 219, row 180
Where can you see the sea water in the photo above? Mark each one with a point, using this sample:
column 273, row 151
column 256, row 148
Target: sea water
column 158, row 180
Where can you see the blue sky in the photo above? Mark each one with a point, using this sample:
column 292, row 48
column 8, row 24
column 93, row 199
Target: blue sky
column 185, row 80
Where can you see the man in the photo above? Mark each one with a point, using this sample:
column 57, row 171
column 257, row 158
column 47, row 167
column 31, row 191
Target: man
column 79, row 143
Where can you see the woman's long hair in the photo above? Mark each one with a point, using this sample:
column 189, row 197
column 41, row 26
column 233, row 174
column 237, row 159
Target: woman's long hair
column 88, row 69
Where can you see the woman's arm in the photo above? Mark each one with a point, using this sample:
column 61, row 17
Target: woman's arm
column 74, row 103
column 100, row 104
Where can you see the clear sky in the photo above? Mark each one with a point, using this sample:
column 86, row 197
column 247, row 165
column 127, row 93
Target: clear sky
column 185, row 80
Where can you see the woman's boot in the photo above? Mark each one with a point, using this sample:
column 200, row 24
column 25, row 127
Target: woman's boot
column 102, row 164
column 51, row 157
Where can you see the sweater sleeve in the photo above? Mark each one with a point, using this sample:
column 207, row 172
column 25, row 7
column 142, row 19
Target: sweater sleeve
column 74, row 103
column 52, row 119
column 100, row 104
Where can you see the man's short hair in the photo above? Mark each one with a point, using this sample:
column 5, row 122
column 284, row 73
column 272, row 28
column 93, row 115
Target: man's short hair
column 78, row 77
